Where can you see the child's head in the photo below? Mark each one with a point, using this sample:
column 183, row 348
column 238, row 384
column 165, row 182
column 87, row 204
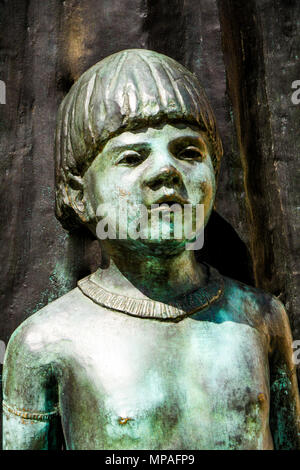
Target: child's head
column 129, row 90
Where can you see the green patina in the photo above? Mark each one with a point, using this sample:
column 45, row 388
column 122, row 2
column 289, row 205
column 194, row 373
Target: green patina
column 156, row 350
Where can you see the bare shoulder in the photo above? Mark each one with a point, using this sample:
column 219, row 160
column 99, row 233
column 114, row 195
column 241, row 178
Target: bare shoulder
column 39, row 343
column 260, row 309
column 39, row 332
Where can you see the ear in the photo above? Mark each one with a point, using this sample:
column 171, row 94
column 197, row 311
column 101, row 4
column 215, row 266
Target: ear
column 78, row 200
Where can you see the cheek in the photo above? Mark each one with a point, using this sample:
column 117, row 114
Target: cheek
column 128, row 185
column 95, row 190
column 112, row 188
column 201, row 185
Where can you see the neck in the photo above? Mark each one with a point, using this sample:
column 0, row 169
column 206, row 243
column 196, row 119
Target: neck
column 158, row 277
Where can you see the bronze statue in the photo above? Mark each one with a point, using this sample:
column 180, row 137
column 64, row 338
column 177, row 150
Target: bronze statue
column 154, row 350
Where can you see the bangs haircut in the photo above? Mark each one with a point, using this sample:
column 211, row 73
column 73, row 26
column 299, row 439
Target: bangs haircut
column 128, row 90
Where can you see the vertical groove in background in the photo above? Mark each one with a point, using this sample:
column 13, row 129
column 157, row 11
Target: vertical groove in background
column 248, row 51
column 243, row 52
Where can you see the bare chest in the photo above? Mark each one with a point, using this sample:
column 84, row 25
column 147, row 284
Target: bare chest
column 187, row 385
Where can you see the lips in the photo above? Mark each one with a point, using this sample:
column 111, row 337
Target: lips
column 169, row 198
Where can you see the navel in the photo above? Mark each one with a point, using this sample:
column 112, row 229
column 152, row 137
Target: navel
column 124, row 420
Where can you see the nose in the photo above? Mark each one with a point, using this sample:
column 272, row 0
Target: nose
column 167, row 176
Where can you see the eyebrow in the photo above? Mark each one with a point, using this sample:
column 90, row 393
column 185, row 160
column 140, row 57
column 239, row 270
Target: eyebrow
column 198, row 141
column 130, row 146
column 179, row 141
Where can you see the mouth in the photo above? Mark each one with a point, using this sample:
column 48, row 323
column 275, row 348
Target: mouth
column 166, row 201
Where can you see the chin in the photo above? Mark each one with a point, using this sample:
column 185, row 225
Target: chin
column 158, row 247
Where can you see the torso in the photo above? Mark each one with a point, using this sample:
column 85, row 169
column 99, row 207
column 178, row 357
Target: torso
column 136, row 383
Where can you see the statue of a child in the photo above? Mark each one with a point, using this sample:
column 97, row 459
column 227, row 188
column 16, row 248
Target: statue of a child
column 154, row 350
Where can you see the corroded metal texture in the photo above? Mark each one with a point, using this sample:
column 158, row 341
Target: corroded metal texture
column 155, row 350
column 133, row 383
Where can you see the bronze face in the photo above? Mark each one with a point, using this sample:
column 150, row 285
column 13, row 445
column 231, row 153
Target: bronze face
column 168, row 164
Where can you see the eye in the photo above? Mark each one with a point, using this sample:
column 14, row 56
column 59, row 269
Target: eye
column 130, row 158
column 190, row 153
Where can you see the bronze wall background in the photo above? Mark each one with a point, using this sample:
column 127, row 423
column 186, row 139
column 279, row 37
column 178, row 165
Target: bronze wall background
column 246, row 56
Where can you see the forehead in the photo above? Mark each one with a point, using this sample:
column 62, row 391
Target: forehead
column 164, row 133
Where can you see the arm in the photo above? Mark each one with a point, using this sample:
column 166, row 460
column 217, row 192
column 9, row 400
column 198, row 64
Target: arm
column 30, row 414
column 285, row 407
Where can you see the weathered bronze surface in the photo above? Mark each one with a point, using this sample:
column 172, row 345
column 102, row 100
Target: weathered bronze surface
column 154, row 350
